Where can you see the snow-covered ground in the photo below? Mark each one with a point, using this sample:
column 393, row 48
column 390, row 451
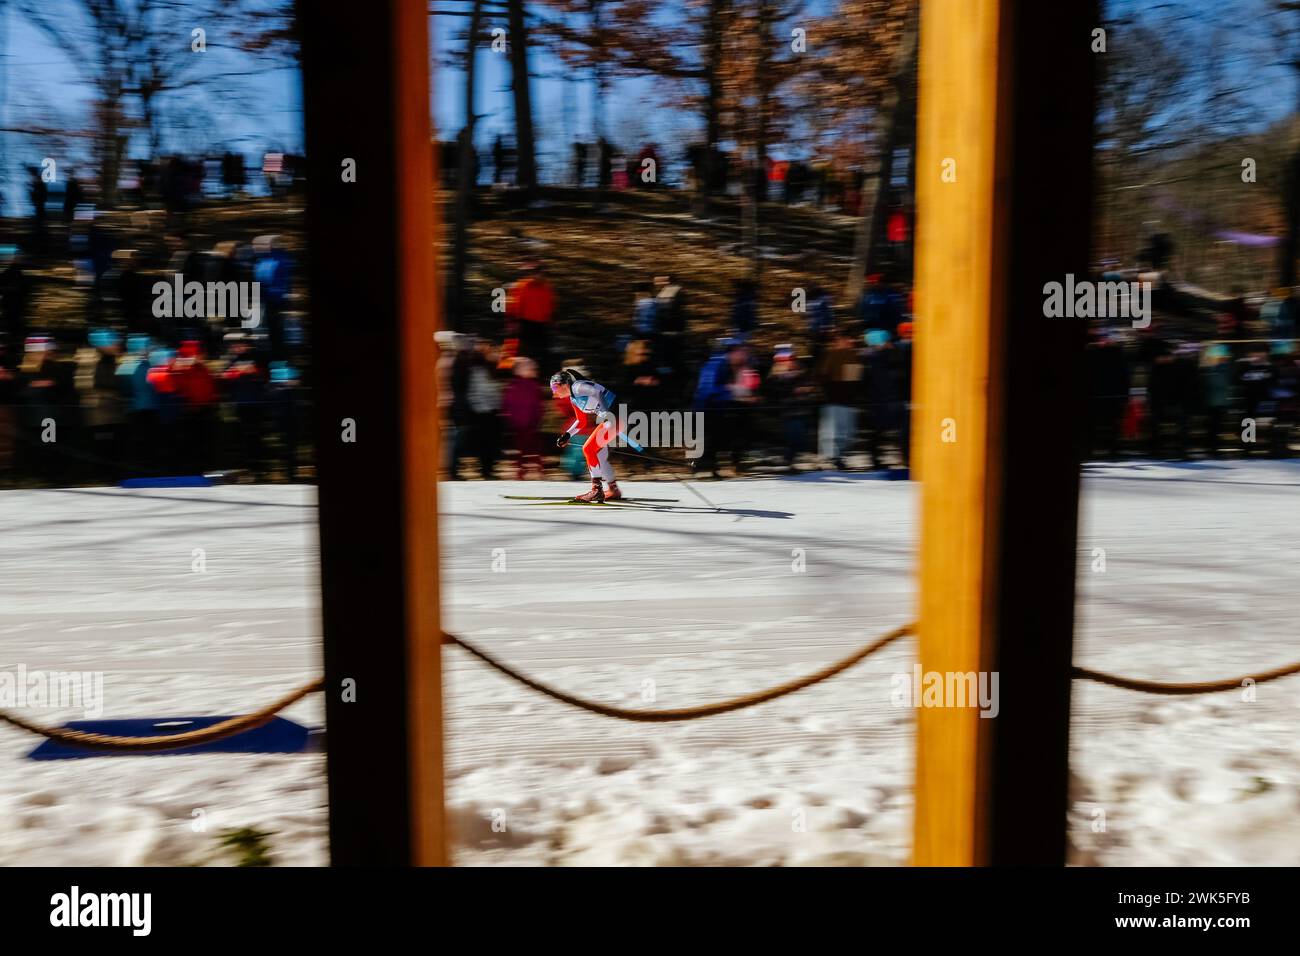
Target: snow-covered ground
column 104, row 580
column 655, row 607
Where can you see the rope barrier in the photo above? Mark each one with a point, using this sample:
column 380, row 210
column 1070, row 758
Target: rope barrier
column 190, row 738
column 689, row 713
column 237, row 725
column 1183, row 689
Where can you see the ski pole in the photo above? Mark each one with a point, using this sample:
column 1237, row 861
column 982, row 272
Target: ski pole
column 611, row 424
column 635, row 445
column 665, row 461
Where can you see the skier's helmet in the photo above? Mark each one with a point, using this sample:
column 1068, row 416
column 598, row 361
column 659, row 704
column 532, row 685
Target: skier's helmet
column 561, row 378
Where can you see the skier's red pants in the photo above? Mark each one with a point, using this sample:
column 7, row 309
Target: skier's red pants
column 593, row 449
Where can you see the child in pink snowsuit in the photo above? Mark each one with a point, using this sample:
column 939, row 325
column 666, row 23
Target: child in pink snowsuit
column 522, row 408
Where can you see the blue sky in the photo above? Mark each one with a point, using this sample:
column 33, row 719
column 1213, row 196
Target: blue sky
column 37, row 75
column 40, row 87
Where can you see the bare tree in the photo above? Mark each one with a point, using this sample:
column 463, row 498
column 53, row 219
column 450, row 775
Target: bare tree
column 898, row 108
column 1282, row 19
column 467, row 169
column 142, row 52
column 525, row 147
column 1145, row 116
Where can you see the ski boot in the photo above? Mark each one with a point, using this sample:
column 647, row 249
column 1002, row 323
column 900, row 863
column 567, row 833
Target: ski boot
column 596, row 495
column 612, row 493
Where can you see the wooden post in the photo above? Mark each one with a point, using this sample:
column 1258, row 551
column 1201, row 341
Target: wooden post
column 374, row 309
column 1003, row 205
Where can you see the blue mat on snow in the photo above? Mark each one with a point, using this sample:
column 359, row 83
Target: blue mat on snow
column 175, row 481
column 280, row 736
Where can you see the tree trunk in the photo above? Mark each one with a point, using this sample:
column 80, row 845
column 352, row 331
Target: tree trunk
column 109, row 148
column 765, row 18
column 758, row 181
column 525, row 150
column 749, row 227
column 897, row 104
column 152, row 121
column 713, row 97
column 594, row 7
column 900, row 133
column 1291, row 241
column 604, row 149
column 465, row 182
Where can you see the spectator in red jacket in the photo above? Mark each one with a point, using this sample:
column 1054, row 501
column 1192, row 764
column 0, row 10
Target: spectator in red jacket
column 197, row 389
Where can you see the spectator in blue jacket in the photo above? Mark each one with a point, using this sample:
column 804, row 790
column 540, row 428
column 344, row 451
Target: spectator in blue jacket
column 714, row 397
column 273, row 272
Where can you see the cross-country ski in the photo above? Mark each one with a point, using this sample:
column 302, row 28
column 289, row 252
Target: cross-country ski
column 563, row 498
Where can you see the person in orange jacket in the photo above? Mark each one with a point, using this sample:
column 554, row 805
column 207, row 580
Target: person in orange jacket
column 530, row 305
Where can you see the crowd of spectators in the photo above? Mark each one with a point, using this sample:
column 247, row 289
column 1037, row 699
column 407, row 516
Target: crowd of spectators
column 128, row 390
column 839, row 395
column 1158, row 397
column 121, row 387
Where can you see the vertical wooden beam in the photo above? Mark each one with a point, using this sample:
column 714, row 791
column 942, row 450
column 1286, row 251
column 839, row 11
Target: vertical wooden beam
column 421, row 299
column 1005, row 108
column 374, row 309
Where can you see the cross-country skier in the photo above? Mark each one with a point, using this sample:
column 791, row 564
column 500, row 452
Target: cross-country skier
column 590, row 398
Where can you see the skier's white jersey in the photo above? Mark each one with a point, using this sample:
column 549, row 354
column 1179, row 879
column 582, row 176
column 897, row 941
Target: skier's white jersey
column 589, row 398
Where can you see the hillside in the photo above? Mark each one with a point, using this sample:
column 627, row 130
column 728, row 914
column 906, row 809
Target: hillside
column 595, row 255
